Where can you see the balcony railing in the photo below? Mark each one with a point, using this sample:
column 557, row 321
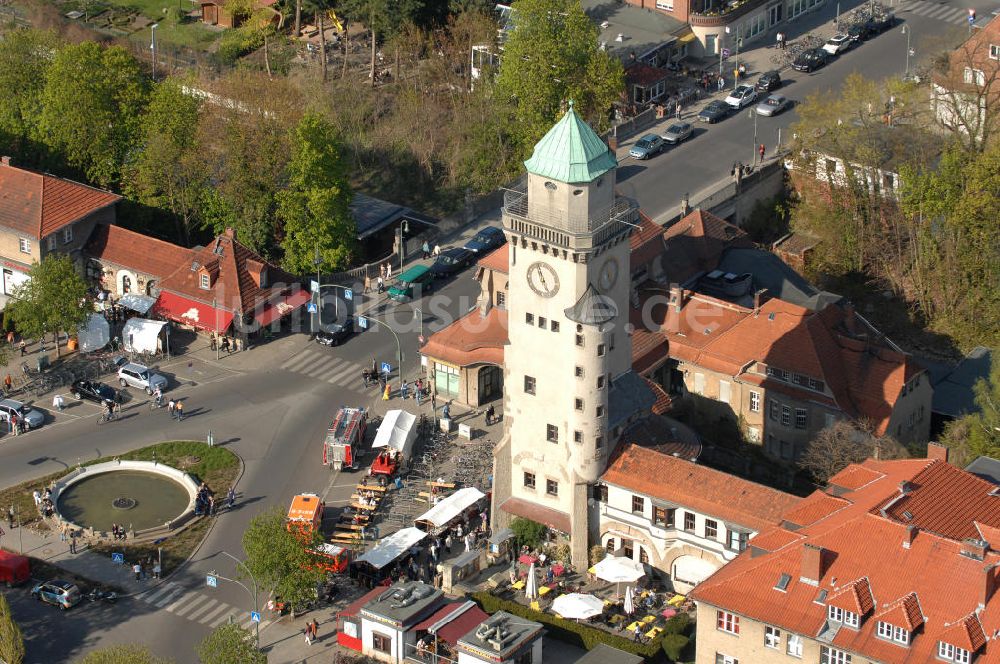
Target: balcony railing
column 559, row 229
column 725, row 14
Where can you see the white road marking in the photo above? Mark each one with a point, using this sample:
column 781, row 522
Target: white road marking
column 201, row 609
column 174, row 592
column 186, row 603
column 222, row 608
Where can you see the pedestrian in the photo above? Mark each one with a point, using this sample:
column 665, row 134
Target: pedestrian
column 72, row 541
column 637, row 633
column 58, row 403
column 447, row 544
column 761, row 150
column 8, row 382
column 368, row 284
column 23, row 346
column 211, row 505
column 315, row 629
column 490, row 414
column 226, row 346
column 388, row 270
column 157, row 570
column 387, row 391
column 434, row 552
column 381, row 271
column 15, row 427
column 137, row 570
column 677, row 110
column 446, row 412
column 404, row 389
column 426, row 248
column 37, row 497
column 10, row 338
column 433, row 402
column 10, row 517
column 779, row 38
column 213, row 343
column 179, row 409
column 231, row 497
column 399, row 483
column 722, row 83
column 419, row 393
column 437, row 250
column 170, row 407
column 381, row 284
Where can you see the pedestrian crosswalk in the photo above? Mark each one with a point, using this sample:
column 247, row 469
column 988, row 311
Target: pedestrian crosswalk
column 196, row 606
column 935, row 10
column 323, row 364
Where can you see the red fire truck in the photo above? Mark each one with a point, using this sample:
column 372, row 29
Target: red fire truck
column 344, row 438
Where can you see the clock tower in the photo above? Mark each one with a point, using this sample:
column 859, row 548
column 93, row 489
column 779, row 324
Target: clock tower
column 568, row 311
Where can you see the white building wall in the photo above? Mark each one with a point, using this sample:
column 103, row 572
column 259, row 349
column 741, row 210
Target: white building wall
column 396, row 639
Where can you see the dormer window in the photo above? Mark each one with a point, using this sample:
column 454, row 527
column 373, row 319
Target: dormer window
column 893, row 633
column 204, row 281
column 950, row 653
column 849, row 618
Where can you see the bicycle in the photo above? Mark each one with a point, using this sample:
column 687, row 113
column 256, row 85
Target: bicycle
column 107, row 416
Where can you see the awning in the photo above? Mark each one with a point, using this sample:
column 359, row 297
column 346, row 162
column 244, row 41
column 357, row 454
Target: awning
column 459, row 623
column 397, row 431
column 136, row 302
column 686, row 37
column 190, row 312
column 281, row 306
column 544, row 515
column 451, row 507
column 94, row 335
column 141, row 335
column 392, row 547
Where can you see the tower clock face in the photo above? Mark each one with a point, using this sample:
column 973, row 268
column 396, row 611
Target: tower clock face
column 542, row 279
column 608, row 275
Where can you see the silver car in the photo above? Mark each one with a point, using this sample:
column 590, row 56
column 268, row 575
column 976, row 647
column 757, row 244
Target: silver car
column 677, row 132
column 773, row 105
column 139, row 376
column 29, row 416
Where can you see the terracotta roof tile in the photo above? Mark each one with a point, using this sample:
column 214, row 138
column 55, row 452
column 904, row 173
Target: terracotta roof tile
column 136, row 251
column 967, row 633
column 853, row 477
column 704, row 489
column 855, row 596
column 471, row 339
column 989, row 534
column 663, row 402
column 816, row 507
column 905, row 612
column 36, row 204
column 696, row 243
column 774, row 539
column 497, row 260
column 646, row 243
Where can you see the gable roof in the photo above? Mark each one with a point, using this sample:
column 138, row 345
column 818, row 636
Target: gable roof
column 709, row 491
column 911, row 578
column 571, row 152
column 696, row 243
column 497, row 260
column 37, row 205
column 136, row 251
column 472, row 339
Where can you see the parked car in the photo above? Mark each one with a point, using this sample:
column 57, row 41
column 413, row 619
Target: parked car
column 860, row 31
column 29, row 416
column 743, row 95
column 335, row 333
column 451, row 261
column 881, row 23
column 486, row 240
column 810, row 60
column 838, row 43
column 677, row 132
column 715, row 110
column 773, row 105
column 140, row 376
column 769, row 81
column 648, row 146
column 92, row 390
column 61, row 593
column 406, row 286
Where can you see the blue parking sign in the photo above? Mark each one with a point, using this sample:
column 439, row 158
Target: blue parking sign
column 211, row 581
column 362, row 322
column 118, row 558
column 348, row 294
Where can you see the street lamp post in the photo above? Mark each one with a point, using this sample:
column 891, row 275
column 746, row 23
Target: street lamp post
column 404, row 227
column 319, row 314
column 753, row 113
column 907, row 33
column 152, row 45
column 218, row 350
column 399, row 349
column 256, row 606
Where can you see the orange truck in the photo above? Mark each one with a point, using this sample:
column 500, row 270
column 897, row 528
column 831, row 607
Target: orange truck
column 344, row 438
column 305, row 517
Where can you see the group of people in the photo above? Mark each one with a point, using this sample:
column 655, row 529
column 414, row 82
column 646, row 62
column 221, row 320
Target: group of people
column 119, row 533
column 426, row 248
column 144, row 567
column 369, row 498
column 204, row 502
column 176, row 409
column 43, row 501
column 226, row 344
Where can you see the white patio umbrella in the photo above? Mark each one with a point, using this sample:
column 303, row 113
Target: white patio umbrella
column 576, row 606
column 619, row 570
column 629, row 602
column 531, row 584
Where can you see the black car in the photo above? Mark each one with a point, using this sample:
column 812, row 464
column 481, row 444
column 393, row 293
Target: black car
column 93, row 390
column 451, row 261
column 810, row 60
column 881, row 23
column 769, row 81
column 860, row 31
column 486, row 240
column 715, row 111
column 335, row 333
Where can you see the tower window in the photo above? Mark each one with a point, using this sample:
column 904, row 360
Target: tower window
column 600, row 382
column 552, row 433
column 529, row 481
column 600, row 350
column 551, row 186
column 577, row 437
column 579, row 340
column 599, row 442
column 552, row 487
column 600, row 411
column 578, row 372
column 542, row 322
column 529, row 384
column 529, row 319
column 554, row 326
column 578, row 404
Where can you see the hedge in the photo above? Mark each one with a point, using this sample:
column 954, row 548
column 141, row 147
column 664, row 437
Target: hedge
column 572, row 632
column 673, row 646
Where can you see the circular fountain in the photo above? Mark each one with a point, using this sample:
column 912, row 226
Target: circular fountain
column 144, row 497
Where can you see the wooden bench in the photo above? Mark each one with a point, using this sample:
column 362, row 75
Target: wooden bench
column 441, row 485
column 357, row 498
column 349, row 526
column 367, row 508
column 372, row 487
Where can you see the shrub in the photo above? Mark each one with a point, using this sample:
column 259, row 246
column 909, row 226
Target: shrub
column 678, row 624
column 527, row 532
column 673, row 646
column 237, row 43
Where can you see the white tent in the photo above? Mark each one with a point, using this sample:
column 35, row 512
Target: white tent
column 450, row 507
column 397, row 431
column 392, row 547
column 137, row 303
column 95, row 334
column 577, row 606
column 619, row 570
column 531, row 584
column 142, row 335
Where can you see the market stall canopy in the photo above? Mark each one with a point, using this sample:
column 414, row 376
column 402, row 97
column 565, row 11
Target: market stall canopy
column 452, row 506
column 141, row 335
column 95, row 334
column 392, row 547
column 619, row 570
column 137, row 302
column 577, row 606
column 398, row 431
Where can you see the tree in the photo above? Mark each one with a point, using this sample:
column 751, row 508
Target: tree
column 966, row 94
column 169, row 172
column 843, row 443
column 123, row 654
column 11, row 639
column 25, row 56
column 978, row 434
column 551, row 57
column 527, row 532
column 53, row 299
column 230, row 644
column 280, row 560
column 93, row 103
column 314, row 208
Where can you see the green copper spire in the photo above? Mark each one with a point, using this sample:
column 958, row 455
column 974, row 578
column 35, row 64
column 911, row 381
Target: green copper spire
column 571, row 152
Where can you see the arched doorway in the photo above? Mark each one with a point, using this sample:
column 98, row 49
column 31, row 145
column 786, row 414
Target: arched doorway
column 689, row 571
column 151, row 288
column 490, row 384
column 126, row 284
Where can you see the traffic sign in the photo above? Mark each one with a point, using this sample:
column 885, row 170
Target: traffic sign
column 725, row 53
column 211, row 581
column 314, row 285
column 118, row 558
column 348, row 294
column 255, row 616
column 386, row 368
column 311, row 307
column 362, row 322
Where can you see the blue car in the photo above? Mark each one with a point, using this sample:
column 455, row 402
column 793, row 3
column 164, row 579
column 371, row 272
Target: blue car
column 60, row 593
column 486, row 240
column 648, row 146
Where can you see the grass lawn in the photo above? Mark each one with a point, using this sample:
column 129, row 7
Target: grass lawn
column 189, row 33
column 215, row 466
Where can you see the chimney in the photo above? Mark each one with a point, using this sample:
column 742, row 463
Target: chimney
column 676, row 297
column 988, row 585
column 937, row 451
column 911, row 534
column 975, row 548
column 811, row 570
column 5, row 160
column 850, row 319
column 758, row 299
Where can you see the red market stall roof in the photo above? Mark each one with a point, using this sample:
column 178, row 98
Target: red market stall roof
column 282, row 305
column 191, row 312
column 454, row 621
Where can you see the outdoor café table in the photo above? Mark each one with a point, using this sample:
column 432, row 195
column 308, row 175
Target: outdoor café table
column 544, row 590
column 653, row 633
column 558, row 569
column 631, row 626
column 519, row 585
column 676, row 600
column 648, row 619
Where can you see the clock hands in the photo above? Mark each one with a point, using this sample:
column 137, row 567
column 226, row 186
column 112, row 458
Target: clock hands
column 541, row 277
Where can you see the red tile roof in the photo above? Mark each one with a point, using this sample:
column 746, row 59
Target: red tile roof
column 136, row 251
column 701, row 488
column 695, row 244
column 545, row 515
column 471, row 339
column 462, row 625
column 645, row 243
column 855, row 596
column 877, row 551
column 853, row 477
column 774, row 539
column 37, row 205
column 816, row 507
column 497, row 260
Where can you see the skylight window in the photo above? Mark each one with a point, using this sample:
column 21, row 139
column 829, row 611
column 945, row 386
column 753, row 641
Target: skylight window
column 821, row 596
column 782, row 583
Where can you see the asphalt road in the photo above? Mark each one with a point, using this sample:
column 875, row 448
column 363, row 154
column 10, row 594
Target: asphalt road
column 660, row 183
